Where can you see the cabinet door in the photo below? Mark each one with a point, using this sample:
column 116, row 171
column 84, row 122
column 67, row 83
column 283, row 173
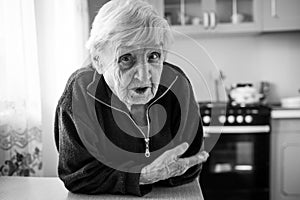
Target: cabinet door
column 209, row 16
column 238, row 15
column 187, row 16
column 291, row 167
column 285, row 166
column 281, row 15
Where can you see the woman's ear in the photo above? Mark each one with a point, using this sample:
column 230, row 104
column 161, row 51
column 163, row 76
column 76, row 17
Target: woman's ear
column 103, row 58
column 98, row 65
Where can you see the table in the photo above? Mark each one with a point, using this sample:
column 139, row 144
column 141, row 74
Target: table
column 44, row 188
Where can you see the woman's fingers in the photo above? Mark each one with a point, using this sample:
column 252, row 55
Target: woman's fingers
column 196, row 159
column 180, row 166
column 178, row 150
column 169, row 165
column 171, row 154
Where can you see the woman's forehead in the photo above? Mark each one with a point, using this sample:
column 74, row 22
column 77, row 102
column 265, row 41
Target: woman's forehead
column 138, row 48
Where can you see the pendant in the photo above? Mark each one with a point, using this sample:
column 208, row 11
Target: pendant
column 147, row 153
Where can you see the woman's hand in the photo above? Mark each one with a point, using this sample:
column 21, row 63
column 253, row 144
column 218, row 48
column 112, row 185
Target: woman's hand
column 169, row 164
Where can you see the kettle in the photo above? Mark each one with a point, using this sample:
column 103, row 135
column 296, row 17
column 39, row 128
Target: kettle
column 243, row 94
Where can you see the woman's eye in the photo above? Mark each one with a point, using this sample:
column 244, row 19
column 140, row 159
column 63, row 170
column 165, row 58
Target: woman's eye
column 126, row 60
column 154, row 57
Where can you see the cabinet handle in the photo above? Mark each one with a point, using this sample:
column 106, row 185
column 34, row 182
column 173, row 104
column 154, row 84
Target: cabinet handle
column 213, row 21
column 205, row 20
column 274, row 8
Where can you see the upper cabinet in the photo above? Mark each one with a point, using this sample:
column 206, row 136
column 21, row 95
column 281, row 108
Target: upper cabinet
column 281, row 15
column 236, row 15
column 222, row 16
column 198, row 16
column 213, row 16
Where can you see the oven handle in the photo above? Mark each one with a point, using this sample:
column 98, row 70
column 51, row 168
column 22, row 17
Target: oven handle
column 236, row 129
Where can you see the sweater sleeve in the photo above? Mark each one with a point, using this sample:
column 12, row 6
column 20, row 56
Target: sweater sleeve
column 81, row 172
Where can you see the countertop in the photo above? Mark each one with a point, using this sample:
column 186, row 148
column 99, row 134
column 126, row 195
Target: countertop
column 44, row 188
column 284, row 113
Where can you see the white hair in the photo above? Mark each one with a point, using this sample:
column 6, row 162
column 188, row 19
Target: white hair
column 127, row 23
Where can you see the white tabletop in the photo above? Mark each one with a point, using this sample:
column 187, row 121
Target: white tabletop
column 34, row 188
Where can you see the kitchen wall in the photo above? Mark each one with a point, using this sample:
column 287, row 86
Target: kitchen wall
column 272, row 57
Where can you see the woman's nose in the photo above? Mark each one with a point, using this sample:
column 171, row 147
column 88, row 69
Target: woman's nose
column 143, row 73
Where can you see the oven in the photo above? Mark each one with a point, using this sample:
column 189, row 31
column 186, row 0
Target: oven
column 238, row 141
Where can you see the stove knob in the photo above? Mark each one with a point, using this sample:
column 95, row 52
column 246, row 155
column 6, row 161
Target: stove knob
column 206, row 119
column 222, row 119
column 239, row 119
column 230, row 119
column 248, row 119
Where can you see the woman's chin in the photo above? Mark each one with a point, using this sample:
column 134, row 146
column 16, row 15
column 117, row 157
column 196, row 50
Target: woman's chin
column 140, row 100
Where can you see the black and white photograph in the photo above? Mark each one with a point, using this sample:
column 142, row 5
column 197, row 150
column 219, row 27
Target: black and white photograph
column 149, row 99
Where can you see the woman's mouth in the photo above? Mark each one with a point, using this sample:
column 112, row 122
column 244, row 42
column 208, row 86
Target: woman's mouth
column 141, row 90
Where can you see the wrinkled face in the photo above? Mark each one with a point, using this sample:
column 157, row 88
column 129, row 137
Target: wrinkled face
column 135, row 72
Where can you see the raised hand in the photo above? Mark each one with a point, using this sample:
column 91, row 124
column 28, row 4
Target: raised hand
column 169, row 164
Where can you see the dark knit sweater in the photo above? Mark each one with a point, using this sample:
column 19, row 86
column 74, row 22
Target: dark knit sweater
column 103, row 119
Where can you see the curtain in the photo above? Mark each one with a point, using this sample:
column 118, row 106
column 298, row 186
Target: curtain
column 20, row 102
column 62, row 27
column 41, row 44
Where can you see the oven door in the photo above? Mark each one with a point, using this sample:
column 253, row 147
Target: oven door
column 238, row 165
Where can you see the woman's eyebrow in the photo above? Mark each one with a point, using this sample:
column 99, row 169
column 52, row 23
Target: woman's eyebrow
column 131, row 49
column 155, row 49
column 123, row 51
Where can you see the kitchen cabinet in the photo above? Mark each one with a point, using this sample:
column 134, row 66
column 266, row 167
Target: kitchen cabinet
column 281, row 15
column 285, row 166
column 211, row 16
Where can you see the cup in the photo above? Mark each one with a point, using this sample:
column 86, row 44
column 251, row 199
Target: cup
column 237, row 18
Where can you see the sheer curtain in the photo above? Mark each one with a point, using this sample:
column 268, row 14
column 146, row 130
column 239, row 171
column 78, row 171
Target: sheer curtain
column 62, row 27
column 20, row 101
column 41, row 44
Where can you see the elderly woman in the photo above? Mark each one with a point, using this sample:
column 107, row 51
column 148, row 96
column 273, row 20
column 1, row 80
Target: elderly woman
column 128, row 120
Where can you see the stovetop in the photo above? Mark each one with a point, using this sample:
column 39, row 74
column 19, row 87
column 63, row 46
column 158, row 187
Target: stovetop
column 222, row 113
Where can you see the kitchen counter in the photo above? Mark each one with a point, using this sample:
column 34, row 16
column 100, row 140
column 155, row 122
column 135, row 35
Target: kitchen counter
column 285, row 113
column 42, row 188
